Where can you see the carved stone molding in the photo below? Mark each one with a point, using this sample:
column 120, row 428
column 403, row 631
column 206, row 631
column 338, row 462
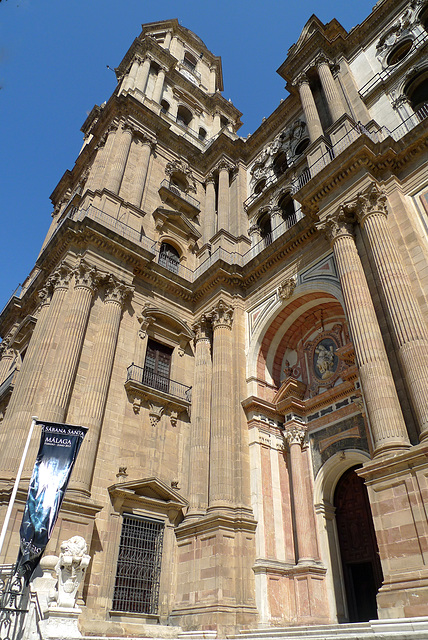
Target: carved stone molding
column 371, row 201
column 337, row 225
column 86, row 276
column 60, row 279
column 286, row 288
column 202, row 329
column 222, row 315
column 224, row 165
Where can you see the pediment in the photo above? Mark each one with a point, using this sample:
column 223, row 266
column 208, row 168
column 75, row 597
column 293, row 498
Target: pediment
column 150, row 494
column 174, row 329
column 166, row 218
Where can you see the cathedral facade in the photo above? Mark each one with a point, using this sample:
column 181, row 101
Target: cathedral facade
column 241, row 325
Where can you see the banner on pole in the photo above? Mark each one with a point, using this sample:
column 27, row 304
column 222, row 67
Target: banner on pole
column 59, row 446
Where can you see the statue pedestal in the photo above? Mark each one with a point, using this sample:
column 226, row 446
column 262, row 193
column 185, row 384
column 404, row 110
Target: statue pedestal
column 61, row 623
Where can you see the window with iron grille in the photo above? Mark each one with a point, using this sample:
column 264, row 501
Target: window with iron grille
column 139, row 565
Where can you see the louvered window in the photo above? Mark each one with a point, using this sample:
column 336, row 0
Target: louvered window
column 139, row 565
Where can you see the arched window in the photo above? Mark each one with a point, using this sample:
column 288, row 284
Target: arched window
column 417, row 91
column 286, row 205
column 164, row 106
column 169, row 257
column 265, row 227
column 423, row 17
column 280, row 164
column 202, row 133
column 184, row 116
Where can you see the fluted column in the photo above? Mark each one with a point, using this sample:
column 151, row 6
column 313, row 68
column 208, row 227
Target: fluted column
column 24, row 397
column 104, row 150
column 120, row 152
column 199, row 463
column 383, row 407
column 69, row 341
column 334, row 101
column 223, row 195
column 98, row 381
column 7, row 355
column 408, row 326
column 157, row 91
column 140, row 177
column 143, row 74
column 210, row 216
column 221, row 449
column 302, row 500
column 313, row 121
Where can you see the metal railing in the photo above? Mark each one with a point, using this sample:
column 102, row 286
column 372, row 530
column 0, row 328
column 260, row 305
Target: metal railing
column 153, row 380
column 166, row 184
column 191, row 68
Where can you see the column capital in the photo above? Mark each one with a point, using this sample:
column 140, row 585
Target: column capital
column 224, row 165
column 60, row 278
column 142, row 138
column 221, row 315
column 322, row 59
column 295, row 434
column 301, row 79
column 371, row 201
column 116, row 291
column 202, row 328
column 85, row 276
column 210, row 178
column 337, row 225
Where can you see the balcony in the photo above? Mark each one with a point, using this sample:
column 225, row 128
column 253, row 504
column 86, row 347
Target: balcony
column 143, row 385
column 178, row 199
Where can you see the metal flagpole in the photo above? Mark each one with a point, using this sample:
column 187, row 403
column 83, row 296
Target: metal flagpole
column 15, row 487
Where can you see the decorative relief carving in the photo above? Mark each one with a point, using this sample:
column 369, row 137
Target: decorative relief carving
column 202, row 329
column 85, row 276
column 286, row 288
column 181, row 166
column 117, row 291
column 70, row 570
column 295, row 434
column 337, row 225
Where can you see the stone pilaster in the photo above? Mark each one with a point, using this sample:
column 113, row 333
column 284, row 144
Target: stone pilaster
column 304, row 522
column 122, row 144
column 142, row 170
column 221, row 454
column 103, row 153
column 334, row 102
column 98, row 382
column 383, row 408
column 313, row 121
column 201, row 413
column 210, row 215
column 408, row 326
column 143, row 74
column 26, row 392
column 69, row 340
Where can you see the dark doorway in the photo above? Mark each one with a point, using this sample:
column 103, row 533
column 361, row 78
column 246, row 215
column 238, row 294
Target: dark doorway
column 358, row 547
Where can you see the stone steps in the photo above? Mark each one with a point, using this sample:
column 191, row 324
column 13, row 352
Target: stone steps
column 402, row 629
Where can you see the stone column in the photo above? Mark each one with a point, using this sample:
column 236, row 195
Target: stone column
column 334, row 102
column 216, row 123
column 143, row 74
column 313, row 121
column 141, row 170
column 25, row 394
column 98, row 382
column 383, row 408
column 221, row 452
column 69, row 339
column 201, row 414
column 210, row 215
column 212, row 87
column 304, row 522
column 157, row 91
column 129, row 81
column 122, row 144
column 408, row 326
column 167, row 40
column 7, row 357
column 223, row 195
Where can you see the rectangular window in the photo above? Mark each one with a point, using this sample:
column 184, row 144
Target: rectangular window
column 139, row 565
column 157, row 366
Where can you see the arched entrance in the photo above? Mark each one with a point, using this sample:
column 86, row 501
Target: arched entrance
column 362, row 571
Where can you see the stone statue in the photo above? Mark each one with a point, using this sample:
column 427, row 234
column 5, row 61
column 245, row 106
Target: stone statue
column 70, row 570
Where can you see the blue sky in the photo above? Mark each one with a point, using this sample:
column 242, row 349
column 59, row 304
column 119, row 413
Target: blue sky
column 53, row 69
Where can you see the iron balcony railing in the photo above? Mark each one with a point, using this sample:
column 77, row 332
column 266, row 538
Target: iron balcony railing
column 153, row 380
column 166, row 184
column 191, row 68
